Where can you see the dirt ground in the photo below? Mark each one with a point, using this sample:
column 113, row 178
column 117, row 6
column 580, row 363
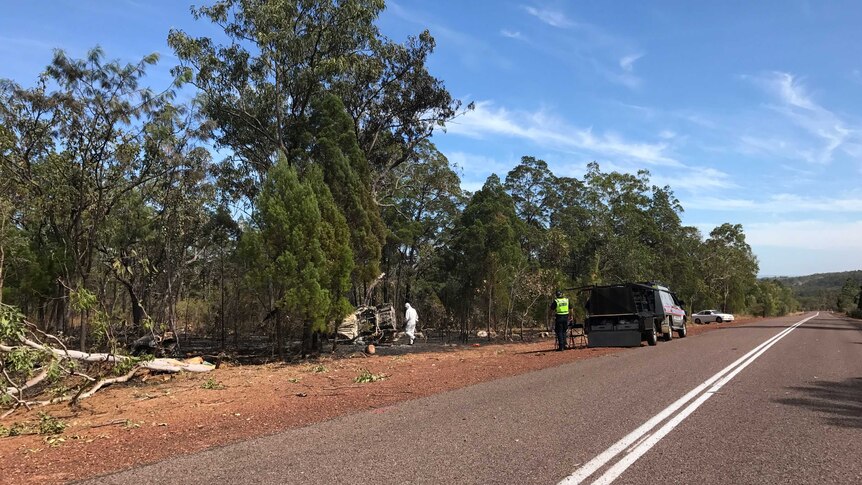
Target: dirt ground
column 159, row 416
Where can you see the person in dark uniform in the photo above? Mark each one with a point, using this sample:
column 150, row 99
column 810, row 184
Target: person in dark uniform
column 561, row 319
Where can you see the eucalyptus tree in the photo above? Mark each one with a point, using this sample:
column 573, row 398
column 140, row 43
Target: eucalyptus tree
column 76, row 147
column 847, row 295
column 532, row 187
column 420, row 210
column 258, row 88
column 484, row 252
column 617, row 205
column 730, row 267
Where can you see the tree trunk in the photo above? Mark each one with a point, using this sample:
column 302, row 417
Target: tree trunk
column 222, row 310
column 306, row 340
column 2, row 262
column 279, row 336
column 490, row 304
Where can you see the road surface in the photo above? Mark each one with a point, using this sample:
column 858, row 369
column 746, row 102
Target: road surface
column 777, row 401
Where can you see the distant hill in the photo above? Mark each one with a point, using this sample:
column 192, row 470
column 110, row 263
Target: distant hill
column 818, row 290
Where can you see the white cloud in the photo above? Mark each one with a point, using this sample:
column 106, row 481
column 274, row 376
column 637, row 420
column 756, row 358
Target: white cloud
column 627, row 62
column 791, row 90
column 806, row 234
column 779, row 203
column 696, row 180
column 15, row 44
column 828, row 129
column 473, row 164
column 472, row 51
column 512, row 34
column 554, row 18
column 543, row 129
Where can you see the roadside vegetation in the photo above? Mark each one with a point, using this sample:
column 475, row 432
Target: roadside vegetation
column 828, row 291
column 304, row 169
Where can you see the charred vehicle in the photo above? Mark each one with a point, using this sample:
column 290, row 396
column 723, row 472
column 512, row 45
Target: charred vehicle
column 624, row 315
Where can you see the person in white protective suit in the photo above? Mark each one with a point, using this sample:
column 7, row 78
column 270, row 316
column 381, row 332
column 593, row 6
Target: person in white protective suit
column 410, row 318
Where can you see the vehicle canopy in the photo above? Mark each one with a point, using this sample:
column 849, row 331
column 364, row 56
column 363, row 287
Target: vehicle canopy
column 624, row 314
column 629, row 298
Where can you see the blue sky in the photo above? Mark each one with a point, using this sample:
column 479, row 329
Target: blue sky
column 750, row 111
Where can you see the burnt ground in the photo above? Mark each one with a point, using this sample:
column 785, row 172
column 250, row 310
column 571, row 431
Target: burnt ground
column 158, row 416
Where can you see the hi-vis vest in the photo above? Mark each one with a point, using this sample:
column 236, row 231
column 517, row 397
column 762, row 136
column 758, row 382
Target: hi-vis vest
column 562, row 306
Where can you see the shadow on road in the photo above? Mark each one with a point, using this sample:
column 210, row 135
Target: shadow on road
column 857, row 328
column 839, row 402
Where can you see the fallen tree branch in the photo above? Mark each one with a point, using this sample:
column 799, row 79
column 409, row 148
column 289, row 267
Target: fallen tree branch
column 30, row 383
column 107, row 382
column 161, row 364
column 23, row 337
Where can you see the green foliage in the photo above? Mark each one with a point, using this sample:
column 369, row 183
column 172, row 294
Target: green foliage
column 730, row 267
column 109, row 188
column 49, row 425
column 212, row 384
column 21, row 360
column 848, row 296
column 334, row 242
column 772, row 298
column 125, row 365
column 17, row 429
column 82, row 300
column 334, row 149
column 11, row 324
column 819, row 291
column 282, row 55
column 486, row 249
column 288, row 246
column 319, row 369
column 366, row 377
column 129, row 424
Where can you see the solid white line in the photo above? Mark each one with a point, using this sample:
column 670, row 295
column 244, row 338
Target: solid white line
column 619, row 467
column 603, row 458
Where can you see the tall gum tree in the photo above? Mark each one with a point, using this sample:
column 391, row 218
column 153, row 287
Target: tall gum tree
column 258, row 89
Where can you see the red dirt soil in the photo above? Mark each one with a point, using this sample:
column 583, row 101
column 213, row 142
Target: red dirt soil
column 170, row 414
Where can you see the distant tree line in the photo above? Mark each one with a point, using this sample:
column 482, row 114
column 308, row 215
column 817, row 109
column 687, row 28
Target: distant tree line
column 827, row 291
column 303, row 170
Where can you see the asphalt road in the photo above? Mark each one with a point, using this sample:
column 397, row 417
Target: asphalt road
column 770, row 402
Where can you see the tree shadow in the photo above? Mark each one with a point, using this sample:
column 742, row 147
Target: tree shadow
column 839, row 402
column 856, row 328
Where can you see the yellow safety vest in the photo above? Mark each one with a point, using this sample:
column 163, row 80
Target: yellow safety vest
column 562, row 306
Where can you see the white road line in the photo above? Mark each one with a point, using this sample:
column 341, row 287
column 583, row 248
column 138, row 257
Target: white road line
column 637, row 435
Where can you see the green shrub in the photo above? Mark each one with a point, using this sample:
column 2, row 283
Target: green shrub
column 366, row 376
column 50, row 425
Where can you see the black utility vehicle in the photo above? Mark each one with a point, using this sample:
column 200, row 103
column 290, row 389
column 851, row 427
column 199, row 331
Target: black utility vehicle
column 624, row 315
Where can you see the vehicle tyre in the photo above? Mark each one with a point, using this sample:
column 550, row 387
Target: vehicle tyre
column 651, row 338
column 718, row 320
column 697, row 321
column 682, row 332
column 669, row 335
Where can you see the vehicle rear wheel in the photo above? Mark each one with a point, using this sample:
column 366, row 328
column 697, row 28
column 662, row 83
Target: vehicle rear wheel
column 697, row 321
column 718, row 320
column 669, row 335
column 651, row 338
column 682, row 332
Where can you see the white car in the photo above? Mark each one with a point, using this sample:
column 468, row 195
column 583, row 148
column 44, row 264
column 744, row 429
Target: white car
column 707, row 316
